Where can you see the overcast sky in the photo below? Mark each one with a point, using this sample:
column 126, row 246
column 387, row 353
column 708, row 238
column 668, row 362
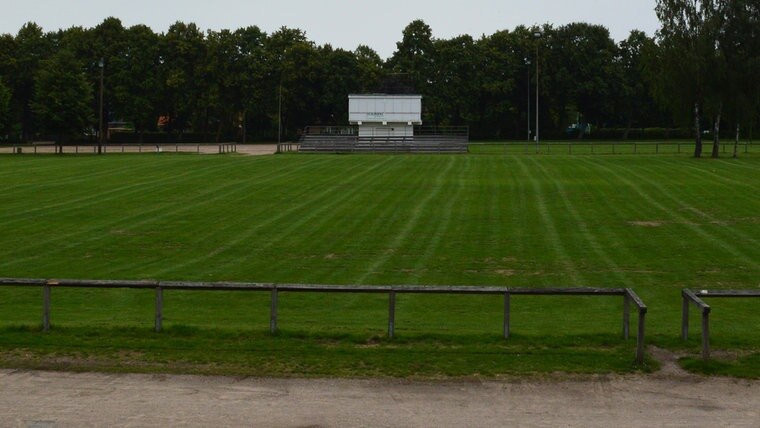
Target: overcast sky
column 341, row 23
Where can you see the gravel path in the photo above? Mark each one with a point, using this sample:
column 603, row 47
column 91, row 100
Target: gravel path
column 52, row 399
column 247, row 149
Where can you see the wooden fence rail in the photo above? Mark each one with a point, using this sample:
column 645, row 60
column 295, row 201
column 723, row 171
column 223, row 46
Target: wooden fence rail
column 695, row 297
column 629, row 297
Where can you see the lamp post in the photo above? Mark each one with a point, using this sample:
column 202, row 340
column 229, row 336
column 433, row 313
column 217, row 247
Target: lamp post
column 279, row 118
column 537, row 35
column 101, row 64
column 527, row 64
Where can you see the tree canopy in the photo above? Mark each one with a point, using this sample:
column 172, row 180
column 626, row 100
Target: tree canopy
column 233, row 84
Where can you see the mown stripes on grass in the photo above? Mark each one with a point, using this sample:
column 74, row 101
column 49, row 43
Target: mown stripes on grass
column 640, row 221
column 654, row 223
column 688, row 214
column 549, row 232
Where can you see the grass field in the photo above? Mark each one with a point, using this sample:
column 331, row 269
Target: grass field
column 654, row 223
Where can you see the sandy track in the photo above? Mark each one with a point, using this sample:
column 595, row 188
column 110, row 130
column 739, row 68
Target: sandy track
column 51, row 399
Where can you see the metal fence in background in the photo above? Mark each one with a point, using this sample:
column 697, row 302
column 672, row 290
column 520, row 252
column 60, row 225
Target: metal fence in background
column 582, row 147
column 51, row 148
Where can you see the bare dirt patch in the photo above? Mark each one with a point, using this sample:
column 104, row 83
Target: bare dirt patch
column 646, row 223
column 256, row 149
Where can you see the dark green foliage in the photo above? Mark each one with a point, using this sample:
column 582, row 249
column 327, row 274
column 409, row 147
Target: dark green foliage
column 233, row 85
column 62, row 97
column 706, row 62
column 5, row 108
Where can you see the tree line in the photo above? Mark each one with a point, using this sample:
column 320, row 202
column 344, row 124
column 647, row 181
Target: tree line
column 695, row 73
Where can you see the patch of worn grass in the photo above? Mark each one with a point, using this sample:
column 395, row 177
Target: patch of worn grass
column 745, row 366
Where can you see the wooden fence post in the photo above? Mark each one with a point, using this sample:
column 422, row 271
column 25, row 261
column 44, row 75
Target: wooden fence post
column 273, row 312
column 626, row 316
column 46, row 307
column 159, row 308
column 391, row 313
column 506, row 315
column 684, row 317
column 706, row 334
column 640, row 337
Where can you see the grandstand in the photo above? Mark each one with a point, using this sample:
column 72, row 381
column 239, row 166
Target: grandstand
column 383, row 123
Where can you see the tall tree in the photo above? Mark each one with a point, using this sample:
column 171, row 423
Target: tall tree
column 584, row 73
column 184, row 54
column 31, row 47
column 5, row 108
column 506, row 72
column 224, row 67
column 415, row 54
column 687, row 40
column 109, row 43
column 62, row 96
column 635, row 102
column 339, row 76
column 455, row 81
column 137, row 79
column 370, row 67
column 293, row 87
column 739, row 44
column 7, row 69
column 253, row 83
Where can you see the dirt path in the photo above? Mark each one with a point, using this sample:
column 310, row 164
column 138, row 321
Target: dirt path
column 49, row 399
column 257, row 149
column 246, row 149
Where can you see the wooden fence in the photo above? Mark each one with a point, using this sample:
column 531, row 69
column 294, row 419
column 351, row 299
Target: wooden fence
column 629, row 296
column 695, row 297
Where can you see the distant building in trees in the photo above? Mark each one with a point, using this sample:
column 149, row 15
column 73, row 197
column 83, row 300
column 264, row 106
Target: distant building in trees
column 383, row 115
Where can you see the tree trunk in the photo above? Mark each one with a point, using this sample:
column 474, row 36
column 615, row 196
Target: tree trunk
column 736, row 141
column 716, row 133
column 698, row 128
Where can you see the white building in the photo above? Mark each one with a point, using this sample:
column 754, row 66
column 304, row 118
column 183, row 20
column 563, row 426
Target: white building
column 380, row 115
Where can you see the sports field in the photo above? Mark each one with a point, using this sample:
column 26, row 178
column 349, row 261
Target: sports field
column 656, row 223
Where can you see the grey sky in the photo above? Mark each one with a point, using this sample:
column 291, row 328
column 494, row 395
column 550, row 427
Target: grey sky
column 341, row 23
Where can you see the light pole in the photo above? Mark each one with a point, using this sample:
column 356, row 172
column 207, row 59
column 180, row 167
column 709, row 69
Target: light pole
column 279, row 118
column 527, row 63
column 537, row 35
column 101, row 64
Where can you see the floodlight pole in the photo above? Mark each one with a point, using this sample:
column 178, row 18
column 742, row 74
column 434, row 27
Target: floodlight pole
column 101, row 64
column 527, row 63
column 279, row 118
column 537, row 35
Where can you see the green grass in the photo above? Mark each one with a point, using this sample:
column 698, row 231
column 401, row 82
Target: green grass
column 654, row 223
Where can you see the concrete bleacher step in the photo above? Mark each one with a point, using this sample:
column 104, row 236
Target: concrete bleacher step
column 353, row 144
